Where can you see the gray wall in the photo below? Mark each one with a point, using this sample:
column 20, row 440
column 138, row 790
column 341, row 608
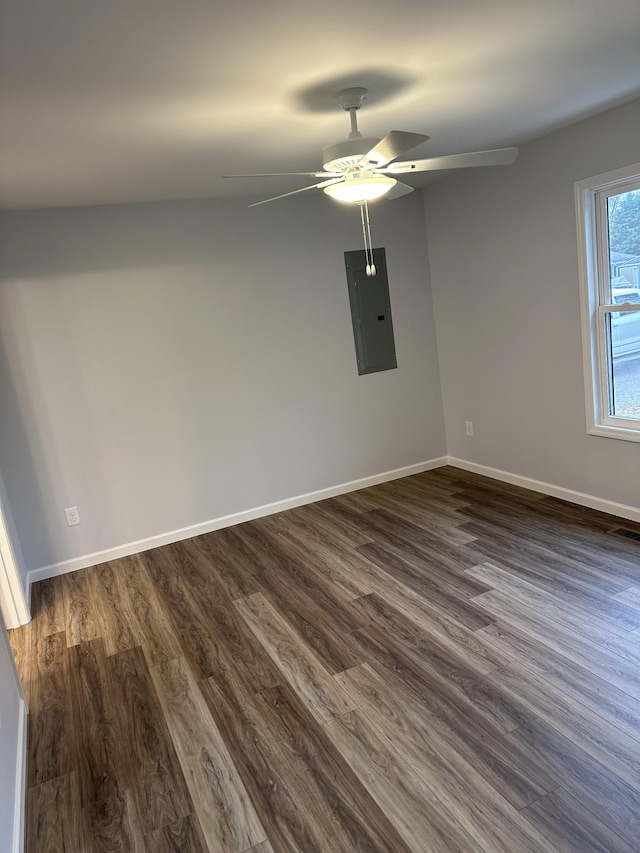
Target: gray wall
column 504, row 269
column 166, row 364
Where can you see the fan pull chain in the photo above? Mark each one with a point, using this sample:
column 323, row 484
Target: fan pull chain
column 366, row 234
column 372, row 266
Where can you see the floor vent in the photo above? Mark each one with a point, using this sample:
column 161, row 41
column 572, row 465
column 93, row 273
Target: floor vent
column 628, row 534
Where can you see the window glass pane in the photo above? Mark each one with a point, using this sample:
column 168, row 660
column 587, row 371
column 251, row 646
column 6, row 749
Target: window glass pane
column 623, row 351
column 623, row 328
column 623, row 219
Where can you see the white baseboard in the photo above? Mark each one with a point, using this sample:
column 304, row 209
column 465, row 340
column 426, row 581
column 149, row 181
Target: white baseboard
column 610, row 507
column 21, row 783
column 601, row 504
column 226, row 521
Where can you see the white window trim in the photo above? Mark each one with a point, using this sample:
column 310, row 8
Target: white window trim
column 592, row 281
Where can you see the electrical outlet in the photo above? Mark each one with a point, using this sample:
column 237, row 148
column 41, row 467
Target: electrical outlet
column 469, row 427
column 73, row 516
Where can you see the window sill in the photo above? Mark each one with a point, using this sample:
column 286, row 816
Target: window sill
column 622, row 433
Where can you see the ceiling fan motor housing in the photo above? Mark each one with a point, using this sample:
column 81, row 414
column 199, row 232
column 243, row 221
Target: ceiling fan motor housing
column 347, row 154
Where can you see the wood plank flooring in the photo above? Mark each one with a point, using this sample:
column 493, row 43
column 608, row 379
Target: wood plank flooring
column 441, row 664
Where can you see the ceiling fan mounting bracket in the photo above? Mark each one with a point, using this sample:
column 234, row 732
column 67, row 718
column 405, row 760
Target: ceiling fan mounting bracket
column 352, row 98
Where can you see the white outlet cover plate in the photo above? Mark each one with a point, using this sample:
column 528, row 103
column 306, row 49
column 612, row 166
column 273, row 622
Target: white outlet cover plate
column 73, row 516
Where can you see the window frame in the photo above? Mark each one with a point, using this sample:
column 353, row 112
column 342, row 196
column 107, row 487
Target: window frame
column 591, row 197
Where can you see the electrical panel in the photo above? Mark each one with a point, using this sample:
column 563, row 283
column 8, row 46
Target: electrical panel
column 370, row 312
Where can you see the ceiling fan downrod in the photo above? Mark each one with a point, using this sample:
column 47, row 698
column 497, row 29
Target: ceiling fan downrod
column 353, row 115
column 351, row 100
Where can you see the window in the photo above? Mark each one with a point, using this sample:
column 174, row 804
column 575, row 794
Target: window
column 609, row 235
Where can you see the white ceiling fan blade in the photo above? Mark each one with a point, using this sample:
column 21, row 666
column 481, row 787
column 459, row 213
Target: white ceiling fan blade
column 302, row 190
column 494, row 157
column 399, row 190
column 394, row 144
column 285, row 174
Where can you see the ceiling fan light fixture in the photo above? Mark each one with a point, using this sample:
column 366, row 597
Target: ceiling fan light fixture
column 360, row 186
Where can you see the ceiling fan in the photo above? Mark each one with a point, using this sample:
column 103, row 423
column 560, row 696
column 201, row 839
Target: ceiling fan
column 360, row 169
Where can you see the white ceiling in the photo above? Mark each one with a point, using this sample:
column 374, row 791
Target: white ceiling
column 107, row 101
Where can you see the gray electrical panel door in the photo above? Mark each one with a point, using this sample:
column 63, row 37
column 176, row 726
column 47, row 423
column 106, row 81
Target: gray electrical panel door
column 370, row 312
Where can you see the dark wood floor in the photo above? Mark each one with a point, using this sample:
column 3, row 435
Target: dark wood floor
column 441, row 663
